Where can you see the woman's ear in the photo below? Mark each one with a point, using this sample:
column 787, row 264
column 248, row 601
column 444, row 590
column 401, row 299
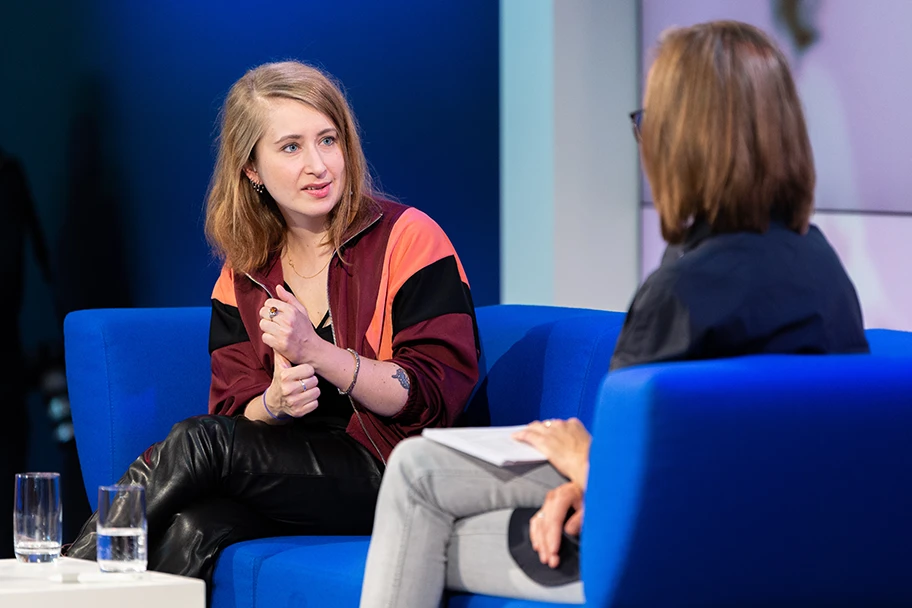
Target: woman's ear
column 251, row 172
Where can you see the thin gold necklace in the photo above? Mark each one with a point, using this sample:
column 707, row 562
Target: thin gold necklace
column 303, row 276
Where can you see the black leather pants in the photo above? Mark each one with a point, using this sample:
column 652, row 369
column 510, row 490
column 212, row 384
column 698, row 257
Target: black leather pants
column 216, row 480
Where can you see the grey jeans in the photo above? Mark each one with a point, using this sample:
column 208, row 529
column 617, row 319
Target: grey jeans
column 441, row 521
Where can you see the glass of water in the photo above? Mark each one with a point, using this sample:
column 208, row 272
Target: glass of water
column 37, row 517
column 121, row 529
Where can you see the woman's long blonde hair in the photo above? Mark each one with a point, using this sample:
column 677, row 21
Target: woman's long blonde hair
column 244, row 227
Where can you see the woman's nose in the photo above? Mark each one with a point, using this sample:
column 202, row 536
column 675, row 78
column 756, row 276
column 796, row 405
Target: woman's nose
column 313, row 162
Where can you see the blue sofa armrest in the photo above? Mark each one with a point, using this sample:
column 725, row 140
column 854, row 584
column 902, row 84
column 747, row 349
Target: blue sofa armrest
column 889, row 342
column 131, row 374
column 540, row 362
column 764, row 481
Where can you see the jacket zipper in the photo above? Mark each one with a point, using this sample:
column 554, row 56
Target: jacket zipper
column 349, row 397
column 263, row 287
column 335, row 341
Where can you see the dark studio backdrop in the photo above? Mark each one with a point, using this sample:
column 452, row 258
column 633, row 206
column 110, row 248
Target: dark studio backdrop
column 110, row 107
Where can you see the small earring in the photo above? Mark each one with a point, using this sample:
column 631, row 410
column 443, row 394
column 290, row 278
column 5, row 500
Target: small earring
column 260, row 188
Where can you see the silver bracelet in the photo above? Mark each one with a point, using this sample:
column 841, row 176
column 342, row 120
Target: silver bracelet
column 351, row 386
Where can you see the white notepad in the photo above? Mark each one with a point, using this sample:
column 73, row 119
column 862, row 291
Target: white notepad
column 492, row 444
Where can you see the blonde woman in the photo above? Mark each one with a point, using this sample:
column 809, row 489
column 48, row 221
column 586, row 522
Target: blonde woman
column 341, row 324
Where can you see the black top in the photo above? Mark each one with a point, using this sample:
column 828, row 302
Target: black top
column 333, row 408
column 724, row 295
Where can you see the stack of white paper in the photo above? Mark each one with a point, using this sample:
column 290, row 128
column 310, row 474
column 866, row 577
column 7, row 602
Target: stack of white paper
column 492, row 444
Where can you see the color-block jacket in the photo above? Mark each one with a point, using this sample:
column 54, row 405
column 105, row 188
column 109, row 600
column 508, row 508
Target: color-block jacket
column 400, row 295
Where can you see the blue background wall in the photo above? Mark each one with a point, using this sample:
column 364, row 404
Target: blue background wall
column 111, row 106
column 112, row 109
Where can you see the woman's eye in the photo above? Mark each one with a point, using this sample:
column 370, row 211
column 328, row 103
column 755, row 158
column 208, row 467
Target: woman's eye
column 328, row 140
column 291, row 148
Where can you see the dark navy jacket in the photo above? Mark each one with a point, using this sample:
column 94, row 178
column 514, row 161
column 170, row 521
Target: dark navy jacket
column 723, row 295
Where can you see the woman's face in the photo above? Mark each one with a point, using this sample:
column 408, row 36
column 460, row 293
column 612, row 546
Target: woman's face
column 299, row 159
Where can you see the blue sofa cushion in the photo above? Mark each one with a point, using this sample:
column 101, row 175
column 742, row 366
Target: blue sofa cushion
column 303, row 571
column 291, row 572
column 471, row 600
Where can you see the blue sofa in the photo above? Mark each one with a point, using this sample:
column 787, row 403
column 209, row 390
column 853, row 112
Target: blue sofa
column 768, row 480
column 132, row 373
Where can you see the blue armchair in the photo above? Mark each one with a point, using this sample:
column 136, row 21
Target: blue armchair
column 757, row 481
column 768, row 480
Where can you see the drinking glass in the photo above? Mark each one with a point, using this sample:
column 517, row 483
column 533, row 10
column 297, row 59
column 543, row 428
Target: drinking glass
column 37, row 517
column 122, row 530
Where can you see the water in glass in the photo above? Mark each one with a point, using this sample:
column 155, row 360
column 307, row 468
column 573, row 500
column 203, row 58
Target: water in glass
column 122, row 549
column 37, row 517
column 122, row 529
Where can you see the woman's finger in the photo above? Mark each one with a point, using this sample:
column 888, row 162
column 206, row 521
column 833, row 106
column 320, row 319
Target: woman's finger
column 304, row 370
column 296, row 396
column 551, row 535
column 534, row 534
column 290, row 299
column 304, row 408
column 271, row 309
column 574, row 525
column 542, row 537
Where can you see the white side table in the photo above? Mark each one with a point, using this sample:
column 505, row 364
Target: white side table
column 77, row 583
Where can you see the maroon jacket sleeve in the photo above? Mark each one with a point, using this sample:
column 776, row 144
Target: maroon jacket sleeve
column 442, row 372
column 434, row 333
column 237, row 373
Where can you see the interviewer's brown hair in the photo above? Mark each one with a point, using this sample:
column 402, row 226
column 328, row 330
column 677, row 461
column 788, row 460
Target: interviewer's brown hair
column 723, row 134
column 244, row 227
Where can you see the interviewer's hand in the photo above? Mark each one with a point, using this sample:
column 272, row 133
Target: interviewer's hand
column 546, row 525
column 565, row 443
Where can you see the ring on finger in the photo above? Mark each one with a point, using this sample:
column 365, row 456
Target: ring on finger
column 304, row 384
column 273, row 311
column 547, row 424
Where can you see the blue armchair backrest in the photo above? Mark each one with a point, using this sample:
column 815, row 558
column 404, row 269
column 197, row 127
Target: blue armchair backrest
column 540, row 362
column 131, row 374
